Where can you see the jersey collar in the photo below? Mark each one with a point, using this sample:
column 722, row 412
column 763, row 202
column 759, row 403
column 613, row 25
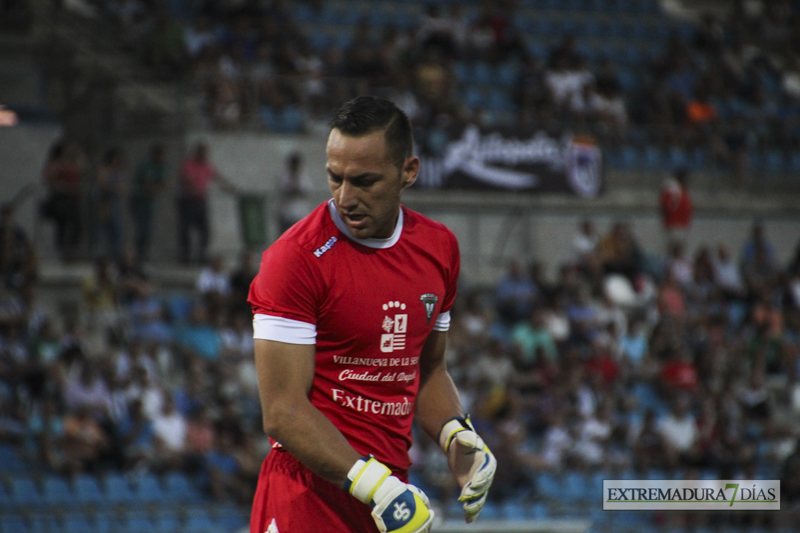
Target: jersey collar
column 371, row 243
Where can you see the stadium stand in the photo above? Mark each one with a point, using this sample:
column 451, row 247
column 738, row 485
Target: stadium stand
column 722, row 338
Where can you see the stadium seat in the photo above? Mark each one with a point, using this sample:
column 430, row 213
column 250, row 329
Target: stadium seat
column 136, row 522
column 45, row 523
column 170, row 523
column 13, row 523
column 24, row 492
column 178, row 487
column 548, row 486
column 199, row 521
column 577, row 487
column 147, row 488
column 482, row 73
column 77, row 522
column 10, row 462
column 117, row 488
column 106, row 521
column 56, row 491
column 88, row 490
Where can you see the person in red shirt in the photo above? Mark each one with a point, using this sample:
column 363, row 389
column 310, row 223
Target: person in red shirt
column 352, row 307
column 196, row 175
column 676, row 206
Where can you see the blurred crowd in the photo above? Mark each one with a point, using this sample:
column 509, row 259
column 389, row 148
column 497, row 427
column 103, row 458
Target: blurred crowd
column 722, row 89
column 130, row 376
column 633, row 363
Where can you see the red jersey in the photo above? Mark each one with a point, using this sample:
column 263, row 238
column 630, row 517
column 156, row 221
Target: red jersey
column 676, row 206
column 369, row 306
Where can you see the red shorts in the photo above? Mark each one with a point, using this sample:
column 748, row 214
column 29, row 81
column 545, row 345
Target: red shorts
column 299, row 501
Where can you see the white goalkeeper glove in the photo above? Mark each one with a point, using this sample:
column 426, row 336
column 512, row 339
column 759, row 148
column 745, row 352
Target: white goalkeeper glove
column 397, row 507
column 471, row 462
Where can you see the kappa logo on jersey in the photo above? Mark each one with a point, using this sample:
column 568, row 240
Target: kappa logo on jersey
column 273, row 527
column 395, row 337
column 429, row 301
column 325, row 247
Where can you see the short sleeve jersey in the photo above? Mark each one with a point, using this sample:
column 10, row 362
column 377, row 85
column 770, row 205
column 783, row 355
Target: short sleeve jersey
column 369, row 307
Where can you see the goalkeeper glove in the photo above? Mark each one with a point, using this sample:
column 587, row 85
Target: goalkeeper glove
column 471, row 462
column 397, row 507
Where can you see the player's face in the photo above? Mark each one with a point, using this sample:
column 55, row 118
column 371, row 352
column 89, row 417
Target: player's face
column 366, row 184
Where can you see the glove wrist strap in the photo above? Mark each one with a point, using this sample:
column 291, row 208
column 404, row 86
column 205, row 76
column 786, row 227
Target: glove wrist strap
column 450, row 428
column 364, row 478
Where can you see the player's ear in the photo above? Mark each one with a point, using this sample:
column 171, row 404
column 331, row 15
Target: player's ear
column 409, row 172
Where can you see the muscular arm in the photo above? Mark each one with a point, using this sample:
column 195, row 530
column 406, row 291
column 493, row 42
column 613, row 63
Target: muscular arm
column 285, row 373
column 437, row 399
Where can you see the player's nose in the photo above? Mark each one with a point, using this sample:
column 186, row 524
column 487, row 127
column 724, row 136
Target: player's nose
column 347, row 195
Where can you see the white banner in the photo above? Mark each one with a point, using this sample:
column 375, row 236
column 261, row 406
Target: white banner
column 697, row 495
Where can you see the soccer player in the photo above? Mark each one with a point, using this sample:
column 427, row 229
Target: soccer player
column 352, row 305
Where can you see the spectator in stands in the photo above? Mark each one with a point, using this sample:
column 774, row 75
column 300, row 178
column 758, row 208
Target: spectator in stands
column 85, row 442
column 293, row 193
column 108, row 189
column 619, row 253
column 18, row 263
column 532, row 334
column 213, row 283
column 240, row 280
column 87, row 391
column 676, row 206
column 62, row 176
column 678, row 430
column 165, row 47
column 169, row 428
column 148, row 183
column 199, row 338
column 136, row 437
column 515, row 295
column 100, row 292
column 197, row 173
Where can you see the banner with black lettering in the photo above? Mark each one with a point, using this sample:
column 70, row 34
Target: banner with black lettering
column 539, row 163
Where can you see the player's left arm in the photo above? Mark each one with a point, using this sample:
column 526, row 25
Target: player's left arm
column 440, row 415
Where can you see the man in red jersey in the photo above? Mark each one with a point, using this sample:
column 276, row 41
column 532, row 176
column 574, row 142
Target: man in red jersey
column 352, row 305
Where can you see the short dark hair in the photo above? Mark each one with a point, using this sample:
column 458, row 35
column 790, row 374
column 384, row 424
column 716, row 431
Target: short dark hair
column 365, row 114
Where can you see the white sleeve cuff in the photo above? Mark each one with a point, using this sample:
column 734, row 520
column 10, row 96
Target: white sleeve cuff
column 275, row 328
column 442, row 322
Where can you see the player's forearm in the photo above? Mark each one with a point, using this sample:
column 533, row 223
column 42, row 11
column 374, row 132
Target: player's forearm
column 437, row 401
column 304, row 431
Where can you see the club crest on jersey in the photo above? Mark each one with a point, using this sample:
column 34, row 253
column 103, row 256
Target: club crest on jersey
column 395, row 327
column 429, row 301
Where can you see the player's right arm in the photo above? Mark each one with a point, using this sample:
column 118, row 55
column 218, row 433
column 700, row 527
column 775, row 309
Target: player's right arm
column 285, row 375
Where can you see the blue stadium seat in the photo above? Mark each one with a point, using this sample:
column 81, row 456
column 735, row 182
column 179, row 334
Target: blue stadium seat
column 88, row 490
column 147, row 488
column 318, row 40
column 461, row 71
column 548, row 486
column 10, row 461
column 577, row 488
column 199, row 521
column 136, row 522
column 24, row 492
column 508, row 74
column 179, row 307
column 45, row 523
column 231, row 522
column 178, row 487
column 5, row 498
column 13, row 523
column 77, row 522
column 629, row 157
column 106, row 521
column 473, row 97
column 117, row 488
column 651, row 159
column 482, row 73
column 302, row 13
column 56, row 491
column 513, row 511
column 499, row 100
column 166, row 520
